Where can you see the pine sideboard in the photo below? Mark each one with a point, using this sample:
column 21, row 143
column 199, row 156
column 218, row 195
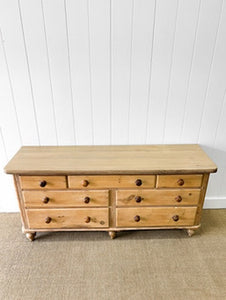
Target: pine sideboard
column 110, row 188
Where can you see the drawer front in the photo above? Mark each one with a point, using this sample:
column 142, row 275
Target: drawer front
column 164, row 181
column 174, row 197
column 67, row 218
column 155, row 216
column 43, row 182
column 114, row 181
column 65, row 198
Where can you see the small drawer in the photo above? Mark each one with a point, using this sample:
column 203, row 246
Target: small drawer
column 183, row 181
column 65, row 198
column 111, row 181
column 174, row 197
column 67, row 218
column 155, row 216
column 43, row 182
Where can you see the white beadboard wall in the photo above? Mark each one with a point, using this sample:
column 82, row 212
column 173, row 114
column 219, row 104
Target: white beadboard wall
column 89, row 72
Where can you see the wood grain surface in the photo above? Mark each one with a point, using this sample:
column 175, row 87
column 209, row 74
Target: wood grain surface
column 156, row 159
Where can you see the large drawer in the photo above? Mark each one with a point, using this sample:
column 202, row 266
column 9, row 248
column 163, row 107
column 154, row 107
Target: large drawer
column 155, row 216
column 111, row 181
column 184, row 181
column 68, row 218
column 159, row 197
column 43, row 182
column 65, row 198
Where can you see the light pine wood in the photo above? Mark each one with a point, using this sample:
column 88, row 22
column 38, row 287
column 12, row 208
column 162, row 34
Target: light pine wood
column 155, row 216
column 167, row 181
column 202, row 198
column 65, row 198
column 52, row 182
column 30, row 236
column 157, row 197
column 190, row 232
column 108, row 181
column 154, row 159
column 111, row 198
column 68, row 218
column 116, row 229
column 20, row 201
column 112, row 234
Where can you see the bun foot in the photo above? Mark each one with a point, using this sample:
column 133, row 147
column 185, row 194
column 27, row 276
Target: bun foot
column 30, row 236
column 190, row 232
column 112, row 234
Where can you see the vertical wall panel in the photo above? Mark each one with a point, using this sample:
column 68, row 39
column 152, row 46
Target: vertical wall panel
column 32, row 23
column 206, row 38
column 211, row 132
column 113, row 72
column 59, row 62
column 8, row 115
column 215, row 90
column 8, row 199
column 122, row 23
column 165, row 25
column 185, row 42
column 78, row 33
column 99, row 29
column 143, row 22
column 18, row 69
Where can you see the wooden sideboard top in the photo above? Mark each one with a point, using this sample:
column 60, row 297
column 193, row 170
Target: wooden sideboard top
column 145, row 159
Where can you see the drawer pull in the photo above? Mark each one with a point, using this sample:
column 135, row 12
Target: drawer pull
column 137, row 218
column 175, row 218
column 45, row 200
column 43, row 183
column 180, row 182
column 88, row 219
column 87, row 200
column 138, row 199
column 138, row 182
column 85, row 183
column 178, row 198
column 48, row 220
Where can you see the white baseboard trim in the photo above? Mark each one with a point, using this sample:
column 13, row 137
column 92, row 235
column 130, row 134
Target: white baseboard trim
column 215, row 202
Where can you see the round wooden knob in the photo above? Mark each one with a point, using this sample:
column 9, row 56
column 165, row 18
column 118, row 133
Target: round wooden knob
column 88, row 219
column 48, row 220
column 45, row 200
column 138, row 182
column 137, row 218
column 85, row 183
column 43, row 183
column 178, row 198
column 180, row 182
column 175, row 218
column 86, row 199
column 138, row 199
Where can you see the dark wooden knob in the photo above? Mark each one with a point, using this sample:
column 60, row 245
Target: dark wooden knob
column 88, row 219
column 48, row 220
column 85, row 183
column 180, row 182
column 175, row 218
column 138, row 182
column 138, row 199
column 43, row 183
column 45, row 200
column 86, row 199
column 137, row 218
column 178, row 198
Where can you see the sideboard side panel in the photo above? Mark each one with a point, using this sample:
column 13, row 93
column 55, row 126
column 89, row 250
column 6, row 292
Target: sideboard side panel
column 20, row 201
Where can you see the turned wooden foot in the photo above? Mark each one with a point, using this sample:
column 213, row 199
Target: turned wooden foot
column 112, row 234
column 190, row 232
column 30, row 236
